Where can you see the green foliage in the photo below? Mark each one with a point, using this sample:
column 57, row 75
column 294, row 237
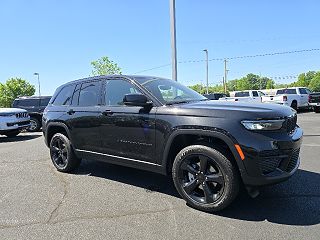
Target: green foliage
column 104, row 66
column 13, row 88
column 251, row 81
column 314, row 84
column 304, row 79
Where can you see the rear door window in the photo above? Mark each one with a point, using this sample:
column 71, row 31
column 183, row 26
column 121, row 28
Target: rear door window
column 64, row 96
column 89, row 94
column 255, row 94
column 242, row 94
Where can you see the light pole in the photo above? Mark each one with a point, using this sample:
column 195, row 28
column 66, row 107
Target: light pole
column 37, row 74
column 173, row 39
column 207, row 67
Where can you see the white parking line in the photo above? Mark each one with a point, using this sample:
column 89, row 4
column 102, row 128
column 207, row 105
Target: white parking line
column 311, row 145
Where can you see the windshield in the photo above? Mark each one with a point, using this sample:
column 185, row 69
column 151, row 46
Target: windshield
column 170, row 92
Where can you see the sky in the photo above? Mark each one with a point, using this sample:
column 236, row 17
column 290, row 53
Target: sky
column 58, row 39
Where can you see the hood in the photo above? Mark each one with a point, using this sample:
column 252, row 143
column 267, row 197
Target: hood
column 225, row 109
column 12, row 110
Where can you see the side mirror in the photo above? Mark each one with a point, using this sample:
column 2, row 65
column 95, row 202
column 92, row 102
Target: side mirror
column 136, row 100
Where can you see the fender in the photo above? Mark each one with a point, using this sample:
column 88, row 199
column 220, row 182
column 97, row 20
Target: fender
column 216, row 133
column 56, row 124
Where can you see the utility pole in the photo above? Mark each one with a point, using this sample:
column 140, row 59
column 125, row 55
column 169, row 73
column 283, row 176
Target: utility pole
column 207, row 67
column 225, row 76
column 173, row 39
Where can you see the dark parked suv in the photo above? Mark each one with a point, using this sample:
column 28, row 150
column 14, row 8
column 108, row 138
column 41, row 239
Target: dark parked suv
column 208, row 147
column 35, row 107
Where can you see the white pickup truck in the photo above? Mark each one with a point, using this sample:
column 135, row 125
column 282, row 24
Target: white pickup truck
column 13, row 121
column 253, row 96
column 295, row 97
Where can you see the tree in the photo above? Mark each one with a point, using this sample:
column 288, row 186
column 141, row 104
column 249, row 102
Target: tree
column 104, row 66
column 314, row 84
column 13, row 88
column 304, row 79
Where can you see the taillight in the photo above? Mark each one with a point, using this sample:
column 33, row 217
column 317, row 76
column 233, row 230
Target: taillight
column 285, row 98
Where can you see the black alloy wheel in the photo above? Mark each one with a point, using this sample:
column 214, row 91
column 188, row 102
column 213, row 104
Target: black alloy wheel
column 59, row 152
column 201, row 178
column 62, row 153
column 206, row 177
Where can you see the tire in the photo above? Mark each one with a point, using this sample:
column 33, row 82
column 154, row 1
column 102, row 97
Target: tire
column 205, row 178
column 294, row 105
column 12, row 134
column 35, row 125
column 316, row 109
column 62, row 154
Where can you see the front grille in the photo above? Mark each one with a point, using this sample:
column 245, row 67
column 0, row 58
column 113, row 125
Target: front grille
column 291, row 123
column 293, row 160
column 18, row 123
column 22, row 115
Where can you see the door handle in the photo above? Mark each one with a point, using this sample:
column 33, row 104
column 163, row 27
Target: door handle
column 107, row 112
column 71, row 111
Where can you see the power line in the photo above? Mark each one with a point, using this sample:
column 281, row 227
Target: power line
column 236, row 57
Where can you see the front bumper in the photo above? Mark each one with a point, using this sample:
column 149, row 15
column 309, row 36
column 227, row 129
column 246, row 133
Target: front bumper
column 275, row 162
column 14, row 124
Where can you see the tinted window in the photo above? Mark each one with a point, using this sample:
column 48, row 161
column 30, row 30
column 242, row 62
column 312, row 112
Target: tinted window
column 115, row 91
column 170, row 92
column 64, row 96
column 255, row 94
column 303, row 91
column 89, row 94
column 242, row 94
column 44, row 102
column 287, row 91
column 29, row 102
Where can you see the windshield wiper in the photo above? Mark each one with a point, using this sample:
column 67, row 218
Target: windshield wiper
column 178, row 102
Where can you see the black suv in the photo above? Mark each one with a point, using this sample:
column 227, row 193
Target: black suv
column 35, row 107
column 215, row 96
column 159, row 125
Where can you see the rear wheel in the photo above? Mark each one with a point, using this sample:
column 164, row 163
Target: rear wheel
column 62, row 153
column 205, row 178
column 294, row 105
column 13, row 133
column 35, row 125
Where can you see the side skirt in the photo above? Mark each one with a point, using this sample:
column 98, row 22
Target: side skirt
column 123, row 161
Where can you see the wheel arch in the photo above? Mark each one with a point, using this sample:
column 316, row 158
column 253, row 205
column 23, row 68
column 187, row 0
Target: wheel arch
column 56, row 127
column 194, row 136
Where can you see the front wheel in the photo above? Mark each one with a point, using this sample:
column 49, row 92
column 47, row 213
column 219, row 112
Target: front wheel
column 35, row 125
column 316, row 109
column 205, row 177
column 62, row 154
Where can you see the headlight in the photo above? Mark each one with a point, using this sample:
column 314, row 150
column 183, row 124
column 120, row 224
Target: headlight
column 263, row 125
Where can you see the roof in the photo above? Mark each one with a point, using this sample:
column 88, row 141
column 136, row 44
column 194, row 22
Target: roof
column 139, row 78
column 33, row 97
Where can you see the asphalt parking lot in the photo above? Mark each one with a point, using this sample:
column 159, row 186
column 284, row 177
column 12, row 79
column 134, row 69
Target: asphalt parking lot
column 103, row 201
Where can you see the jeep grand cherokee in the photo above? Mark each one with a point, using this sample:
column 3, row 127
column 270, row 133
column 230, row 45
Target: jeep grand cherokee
column 208, row 147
